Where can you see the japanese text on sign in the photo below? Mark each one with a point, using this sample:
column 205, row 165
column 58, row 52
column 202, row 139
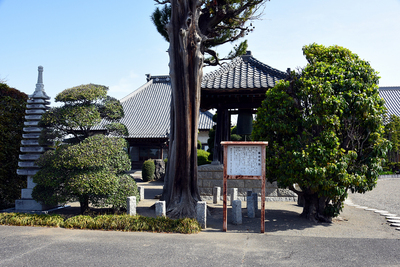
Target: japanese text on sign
column 244, row 160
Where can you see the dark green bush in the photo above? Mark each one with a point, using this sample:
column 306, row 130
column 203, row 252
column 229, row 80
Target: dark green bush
column 92, row 172
column 127, row 187
column 236, row 137
column 12, row 112
column 148, row 169
column 202, row 157
column 199, row 145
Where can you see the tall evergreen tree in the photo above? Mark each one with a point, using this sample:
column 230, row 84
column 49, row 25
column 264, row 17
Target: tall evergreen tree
column 193, row 28
column 325, row 130
column 84, row 166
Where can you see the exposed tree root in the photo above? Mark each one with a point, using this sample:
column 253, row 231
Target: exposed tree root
column 182, row 210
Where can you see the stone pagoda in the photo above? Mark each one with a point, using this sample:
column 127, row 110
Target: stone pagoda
column 31, row 150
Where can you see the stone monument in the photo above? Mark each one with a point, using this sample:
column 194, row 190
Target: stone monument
column 31, row 150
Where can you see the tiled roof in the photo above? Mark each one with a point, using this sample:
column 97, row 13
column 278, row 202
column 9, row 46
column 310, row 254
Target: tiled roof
column 392, row 99
column 147, row 110
column 243, row 72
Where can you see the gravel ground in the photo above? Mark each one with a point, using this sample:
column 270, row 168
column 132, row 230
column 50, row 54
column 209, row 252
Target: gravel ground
column 385, row 196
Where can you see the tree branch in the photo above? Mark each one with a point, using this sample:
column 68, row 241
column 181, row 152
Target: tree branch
column 162, row 2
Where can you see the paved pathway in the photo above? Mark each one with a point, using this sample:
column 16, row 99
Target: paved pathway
column 359, row 238
column 385, row 196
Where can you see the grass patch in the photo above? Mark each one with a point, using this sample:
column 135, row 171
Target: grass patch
column 24, row 219
column 104, row 222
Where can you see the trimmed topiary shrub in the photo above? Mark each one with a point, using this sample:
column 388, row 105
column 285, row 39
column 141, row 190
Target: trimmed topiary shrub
column 202, row 157
column 104, row 222
column 148, row 169
column 199, row 145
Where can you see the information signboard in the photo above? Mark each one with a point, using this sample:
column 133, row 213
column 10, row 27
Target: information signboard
column 244, row 160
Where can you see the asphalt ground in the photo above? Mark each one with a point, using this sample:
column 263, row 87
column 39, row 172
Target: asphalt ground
column 385, row 196
column 356, row 238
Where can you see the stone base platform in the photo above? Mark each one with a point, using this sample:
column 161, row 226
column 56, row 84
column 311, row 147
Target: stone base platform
column 210, row 176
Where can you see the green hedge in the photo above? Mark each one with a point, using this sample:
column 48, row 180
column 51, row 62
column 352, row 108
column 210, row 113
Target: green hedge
column 202, row 157
column 148, row 169
column 104, row 222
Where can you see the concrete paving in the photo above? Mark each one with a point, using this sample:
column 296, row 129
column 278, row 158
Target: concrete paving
column 357, row 238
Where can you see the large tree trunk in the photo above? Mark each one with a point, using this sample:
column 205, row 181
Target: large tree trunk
column 84, row 203
column 186, row 63
column 313, row 208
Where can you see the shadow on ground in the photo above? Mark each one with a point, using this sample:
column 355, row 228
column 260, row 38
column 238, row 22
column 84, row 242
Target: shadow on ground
column 276, row 219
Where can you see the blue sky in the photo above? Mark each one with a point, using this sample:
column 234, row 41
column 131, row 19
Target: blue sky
column 114, row 43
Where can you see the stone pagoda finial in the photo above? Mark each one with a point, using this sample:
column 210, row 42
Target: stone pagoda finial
column 39, row 91
column 31, row 149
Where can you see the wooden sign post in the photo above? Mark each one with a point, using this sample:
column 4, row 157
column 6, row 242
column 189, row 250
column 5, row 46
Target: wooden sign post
column 244, row 160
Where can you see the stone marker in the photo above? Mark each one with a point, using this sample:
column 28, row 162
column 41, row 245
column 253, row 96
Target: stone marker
column 131, row 206
column 201, row 213
column 141, row 192
column 234, row 195
column 216, row 194
column 159, row 172
column 250, row 206
column 237, row 212
column 160, row 209
column 255, row 202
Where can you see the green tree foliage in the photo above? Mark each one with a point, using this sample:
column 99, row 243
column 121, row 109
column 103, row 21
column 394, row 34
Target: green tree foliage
column 84, row 107
column 86, row 167
column 220, row 21
column 12, row 111
column 148, row 170
column 202, row 157
column 325, row 130
column 233, row 137
column 193, row 28
column 392, row 133
column 91, row 172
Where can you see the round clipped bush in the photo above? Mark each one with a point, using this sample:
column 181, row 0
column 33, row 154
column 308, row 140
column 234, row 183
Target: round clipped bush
column 199, row 145
column 148, row 169
column 202, row 157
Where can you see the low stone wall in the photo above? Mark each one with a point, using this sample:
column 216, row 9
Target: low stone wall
column 212, row 175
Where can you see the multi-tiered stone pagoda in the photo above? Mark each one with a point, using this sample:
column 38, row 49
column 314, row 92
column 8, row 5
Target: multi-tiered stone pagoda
column 31, row 150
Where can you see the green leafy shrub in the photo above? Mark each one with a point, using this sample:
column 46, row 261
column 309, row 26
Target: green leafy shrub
column 236, row 137
column 80, row 222
column 324, row 128
column 199, row 145
column 202, row 157
column 148, row 169
column 134, row 223
column 23, row 219
column 127, row 187
column 92, row 171
column 104, row 222
column 89, row 167
column 12, row 112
